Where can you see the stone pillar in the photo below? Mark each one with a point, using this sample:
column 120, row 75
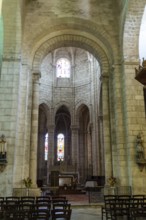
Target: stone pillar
column 89, row 152
column 101, row 146
column 106, row 126
column 34, row 129
column 75, row 146
column 40, row 153
column 134, row 122
column 50, row 162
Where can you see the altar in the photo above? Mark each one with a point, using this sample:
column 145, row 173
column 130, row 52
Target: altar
column 66, row 180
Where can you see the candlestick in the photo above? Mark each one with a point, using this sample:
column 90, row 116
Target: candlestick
column 5, row 146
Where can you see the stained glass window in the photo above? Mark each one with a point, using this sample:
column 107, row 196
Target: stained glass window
column 60, row 147
column 63, row 68
column 46, row 146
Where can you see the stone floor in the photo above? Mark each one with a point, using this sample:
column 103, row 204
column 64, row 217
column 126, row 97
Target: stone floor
column 82, row 209
column 86, row 213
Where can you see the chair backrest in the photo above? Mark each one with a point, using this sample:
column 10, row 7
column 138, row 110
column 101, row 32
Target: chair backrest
column 58, row 201
column 45, row 202
column 14, row 198
column 11, row 202
column 27, row 198
column 43, row 206
column 38, row 198
column 61, row 206
column 63, row 214
column 26, row 203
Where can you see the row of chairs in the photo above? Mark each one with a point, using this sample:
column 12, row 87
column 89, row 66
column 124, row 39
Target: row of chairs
column 34, row 208
column 16, row 198
column 133, row 207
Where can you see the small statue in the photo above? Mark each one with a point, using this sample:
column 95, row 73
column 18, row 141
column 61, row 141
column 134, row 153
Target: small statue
column 139, row 148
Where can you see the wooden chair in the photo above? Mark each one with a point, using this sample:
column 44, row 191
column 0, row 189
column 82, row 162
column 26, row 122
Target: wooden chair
column 44, row 207
column 137, row 213
column 1, row 207
column 39, row 214
column 105, row 209
column 26, row 208
column 14, row 215
column 138, row 207
column 121, row 207
column 9, row 210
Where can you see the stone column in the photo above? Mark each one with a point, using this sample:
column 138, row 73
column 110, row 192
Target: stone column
column 50, row 162
column 34, row 129
column 101, row 147
column 106, row 126
column 75, row 146
column 40, row 153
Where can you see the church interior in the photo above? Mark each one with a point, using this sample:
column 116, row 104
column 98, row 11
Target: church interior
column 72, row 94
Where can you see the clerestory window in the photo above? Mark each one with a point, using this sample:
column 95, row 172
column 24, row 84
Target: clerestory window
column 63, row 68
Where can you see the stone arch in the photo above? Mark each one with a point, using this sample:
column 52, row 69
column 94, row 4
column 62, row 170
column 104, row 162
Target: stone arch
column 62, row 103
column 94, row 46
column 79, row 107
column 131, row 41
column 63, row 26
column 45, row 101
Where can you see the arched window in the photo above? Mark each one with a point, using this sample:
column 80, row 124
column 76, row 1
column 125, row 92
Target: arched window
column 63, row 68
column 46, row 147
column 60, row 147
